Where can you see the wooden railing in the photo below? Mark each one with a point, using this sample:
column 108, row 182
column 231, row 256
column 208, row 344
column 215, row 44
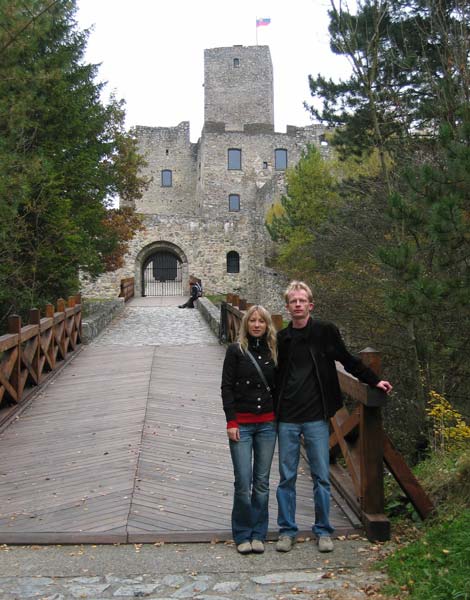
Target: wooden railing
column 127, row 288
column 357, row 440
column 30, row 353
column 231, row 315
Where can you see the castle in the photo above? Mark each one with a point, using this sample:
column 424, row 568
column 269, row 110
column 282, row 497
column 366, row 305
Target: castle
column 204, row 211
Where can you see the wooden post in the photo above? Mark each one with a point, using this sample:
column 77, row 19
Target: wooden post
column 277, row 322
column 63, row 341
column 14, row 326
column 372, row 359
column 78, row 317
column 35, row 319
column 371, row 444
column 53, row 344
column 235, row 300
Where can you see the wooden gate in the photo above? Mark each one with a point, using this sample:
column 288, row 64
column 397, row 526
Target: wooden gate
column 162, row 275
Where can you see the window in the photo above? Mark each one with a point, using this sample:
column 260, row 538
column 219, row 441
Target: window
column 265, row 165
column 234, row 202
column 234, row 159
column 167, row 179
column 233, row 262
column 280, row 159
column 236, row 63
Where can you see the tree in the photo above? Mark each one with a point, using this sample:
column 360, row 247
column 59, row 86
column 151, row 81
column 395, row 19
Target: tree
column 63, row 156
column 311, row 197
column 406, row 102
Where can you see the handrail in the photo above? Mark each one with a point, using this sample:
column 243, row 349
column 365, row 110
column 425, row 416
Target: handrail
column 357, row 435
column 127, row 288
column 30, row 353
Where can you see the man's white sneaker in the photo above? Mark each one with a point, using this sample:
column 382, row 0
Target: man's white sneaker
column 244, row 547
column 285, row 543
column 325, row 543
column 257, row 546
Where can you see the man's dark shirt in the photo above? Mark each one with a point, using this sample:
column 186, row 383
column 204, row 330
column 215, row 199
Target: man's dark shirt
column 301, row 400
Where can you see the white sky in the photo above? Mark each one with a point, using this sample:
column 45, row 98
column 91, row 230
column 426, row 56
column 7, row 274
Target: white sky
column 152, row 52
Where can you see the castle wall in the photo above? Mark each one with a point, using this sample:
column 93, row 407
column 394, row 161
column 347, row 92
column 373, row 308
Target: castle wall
column 192, row 218
column 241, row 94
column 168, row 148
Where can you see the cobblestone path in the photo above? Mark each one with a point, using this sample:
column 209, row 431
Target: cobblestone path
column 144, row 324
column 192, row 571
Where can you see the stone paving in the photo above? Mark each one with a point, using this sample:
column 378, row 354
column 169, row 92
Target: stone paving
column 157, row 322
column 193, row 571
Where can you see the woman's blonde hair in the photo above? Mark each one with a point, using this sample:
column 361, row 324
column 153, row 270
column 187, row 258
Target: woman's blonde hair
column 270, row 330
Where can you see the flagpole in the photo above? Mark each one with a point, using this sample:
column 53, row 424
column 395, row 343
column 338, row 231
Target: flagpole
column 256, row 25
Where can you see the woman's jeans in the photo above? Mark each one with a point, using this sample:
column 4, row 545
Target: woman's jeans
column 316, row 437
column 251, row 457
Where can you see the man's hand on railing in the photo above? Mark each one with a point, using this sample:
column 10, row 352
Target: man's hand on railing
column 385, row 386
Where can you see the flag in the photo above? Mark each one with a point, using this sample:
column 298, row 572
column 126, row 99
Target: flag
column 262, row 22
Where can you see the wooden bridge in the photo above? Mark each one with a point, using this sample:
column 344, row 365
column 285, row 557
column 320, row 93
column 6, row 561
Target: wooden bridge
column 114, row 444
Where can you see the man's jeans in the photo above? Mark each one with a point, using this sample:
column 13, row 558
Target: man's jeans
column 316, row 435
column 251, row 458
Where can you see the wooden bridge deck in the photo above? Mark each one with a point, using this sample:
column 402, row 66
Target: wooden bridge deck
column 128, row 444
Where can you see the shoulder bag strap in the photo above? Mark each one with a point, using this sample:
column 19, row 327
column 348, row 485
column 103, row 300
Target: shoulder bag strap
column 258, row 368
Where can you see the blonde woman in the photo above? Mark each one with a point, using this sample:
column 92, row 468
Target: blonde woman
column 247, row 384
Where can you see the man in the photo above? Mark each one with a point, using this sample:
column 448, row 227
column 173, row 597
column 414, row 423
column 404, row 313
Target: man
column 308, row 395
column 196, row 292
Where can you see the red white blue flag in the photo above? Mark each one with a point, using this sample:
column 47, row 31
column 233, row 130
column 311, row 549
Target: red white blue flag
column 262, row 22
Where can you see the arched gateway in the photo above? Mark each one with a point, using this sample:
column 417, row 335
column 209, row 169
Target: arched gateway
column 164, row 270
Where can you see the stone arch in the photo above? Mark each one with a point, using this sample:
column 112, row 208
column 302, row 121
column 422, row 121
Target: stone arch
column 161, row 269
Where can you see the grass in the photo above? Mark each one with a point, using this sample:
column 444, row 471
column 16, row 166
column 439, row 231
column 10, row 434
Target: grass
column 435, row 565
column 216, row 299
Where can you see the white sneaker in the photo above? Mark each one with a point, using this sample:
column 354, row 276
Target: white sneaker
column 257, row 546
column 325, row 543
column 244, row 547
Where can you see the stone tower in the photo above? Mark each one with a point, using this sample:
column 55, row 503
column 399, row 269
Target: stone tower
column 238, row 86
column 205, row 210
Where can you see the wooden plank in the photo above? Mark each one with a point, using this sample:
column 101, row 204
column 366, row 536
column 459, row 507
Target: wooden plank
column 406, row 480
column 129, row 444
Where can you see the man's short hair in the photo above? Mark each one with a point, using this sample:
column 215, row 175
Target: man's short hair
column 294, row 286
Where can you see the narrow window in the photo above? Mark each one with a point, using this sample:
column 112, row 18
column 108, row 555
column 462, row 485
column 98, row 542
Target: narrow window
column 233, row 262
column 236, row 63
column 280, row 159
column 234, row 159
column 167, row 179
column 234, row 202
column 265, row 165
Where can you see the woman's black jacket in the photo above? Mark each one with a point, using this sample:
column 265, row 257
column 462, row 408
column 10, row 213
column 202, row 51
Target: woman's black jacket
column 325, row 347
column 242, row 388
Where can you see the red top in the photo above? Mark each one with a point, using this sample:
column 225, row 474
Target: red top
column 251, row 418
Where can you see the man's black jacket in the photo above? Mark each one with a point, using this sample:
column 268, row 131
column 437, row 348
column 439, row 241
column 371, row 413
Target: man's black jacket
column 325, row 346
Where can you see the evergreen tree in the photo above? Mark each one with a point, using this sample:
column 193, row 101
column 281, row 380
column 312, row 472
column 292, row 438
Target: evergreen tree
column 63, row 156
column 406, row 102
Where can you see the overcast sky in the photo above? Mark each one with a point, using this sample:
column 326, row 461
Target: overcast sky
column 152, row 52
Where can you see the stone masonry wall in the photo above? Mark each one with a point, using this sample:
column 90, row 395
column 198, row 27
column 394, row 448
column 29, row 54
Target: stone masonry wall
column 241, row 94
column 168, row 148
column 191, row 219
